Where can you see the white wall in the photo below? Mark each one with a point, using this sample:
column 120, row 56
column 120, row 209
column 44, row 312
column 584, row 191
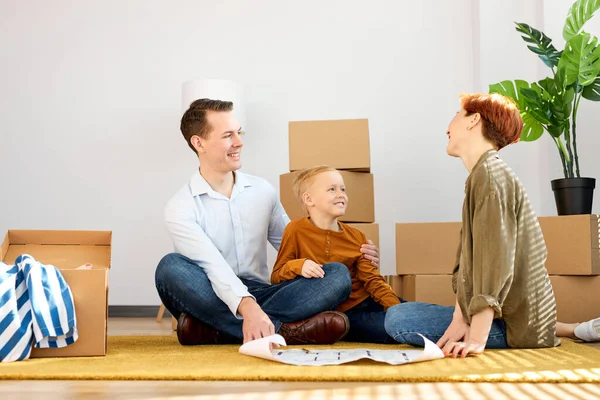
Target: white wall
column 90, row 105
column 503, row 55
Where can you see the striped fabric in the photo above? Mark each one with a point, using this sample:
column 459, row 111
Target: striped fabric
column 36, row 306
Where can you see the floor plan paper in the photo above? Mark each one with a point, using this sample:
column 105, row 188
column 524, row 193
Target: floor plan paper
column 270, row 348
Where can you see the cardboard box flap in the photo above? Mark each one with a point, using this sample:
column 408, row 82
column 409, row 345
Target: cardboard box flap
column 4, row 247
column 100, row 238
column 62, row 256
column 63, row 249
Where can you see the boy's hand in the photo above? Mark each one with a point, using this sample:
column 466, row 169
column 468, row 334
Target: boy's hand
column 371, row 253
column 311, row 269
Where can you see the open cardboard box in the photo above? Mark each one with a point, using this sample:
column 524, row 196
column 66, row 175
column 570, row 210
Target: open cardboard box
column 67, row 250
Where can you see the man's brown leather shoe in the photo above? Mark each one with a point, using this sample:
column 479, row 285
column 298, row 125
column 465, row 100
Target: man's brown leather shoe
column 324, row 328
column 191, row 332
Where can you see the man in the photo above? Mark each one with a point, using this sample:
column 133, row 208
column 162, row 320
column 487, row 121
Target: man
column 217, row 282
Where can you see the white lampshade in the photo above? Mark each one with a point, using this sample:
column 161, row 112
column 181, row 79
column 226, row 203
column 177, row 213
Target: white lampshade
column 215, row 89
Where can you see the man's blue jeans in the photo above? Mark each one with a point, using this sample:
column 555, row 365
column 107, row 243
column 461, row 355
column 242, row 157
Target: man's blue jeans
column 184, row 287
column 405, row 321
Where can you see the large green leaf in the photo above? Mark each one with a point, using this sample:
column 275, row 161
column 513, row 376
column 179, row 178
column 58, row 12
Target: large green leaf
column 543, row 44
column 561, row 106
column 532, row 128
column 537, row 106
column 549, row 85
column 555, row 103
column 592, row 92
column 511, row 89
column 580, row 12
column 560, row 78
column 560, row 109
column 580, row 60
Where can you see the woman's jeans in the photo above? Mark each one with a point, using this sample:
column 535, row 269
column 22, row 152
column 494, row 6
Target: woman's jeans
column 405, row 321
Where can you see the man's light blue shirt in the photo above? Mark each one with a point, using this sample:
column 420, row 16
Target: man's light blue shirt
column 227, row 237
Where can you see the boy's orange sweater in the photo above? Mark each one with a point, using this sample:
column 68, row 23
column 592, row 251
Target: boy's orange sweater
column 302, row 240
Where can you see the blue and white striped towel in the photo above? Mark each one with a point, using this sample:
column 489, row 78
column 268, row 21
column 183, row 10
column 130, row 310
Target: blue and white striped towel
column 35, row 304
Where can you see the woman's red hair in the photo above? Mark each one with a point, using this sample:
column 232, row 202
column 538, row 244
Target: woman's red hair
column 502, row 122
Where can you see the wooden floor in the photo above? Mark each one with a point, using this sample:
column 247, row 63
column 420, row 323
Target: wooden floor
column 49, row 390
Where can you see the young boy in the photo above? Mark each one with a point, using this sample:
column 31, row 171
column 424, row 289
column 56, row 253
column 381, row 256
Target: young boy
column 319, row 239
column 503, row 294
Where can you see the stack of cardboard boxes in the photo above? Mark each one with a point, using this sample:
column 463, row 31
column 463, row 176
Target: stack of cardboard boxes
column 426, row 252
column 573, row 263
column 425, row 255
column 341, row 144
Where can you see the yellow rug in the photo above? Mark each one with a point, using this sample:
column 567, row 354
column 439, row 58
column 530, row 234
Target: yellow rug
column 162, row 358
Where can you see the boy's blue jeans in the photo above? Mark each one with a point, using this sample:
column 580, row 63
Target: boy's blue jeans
column 405, row 321
column 367, row 323
column 184, row 287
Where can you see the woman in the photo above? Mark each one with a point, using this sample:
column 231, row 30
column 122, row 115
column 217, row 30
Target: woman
column 503, row 293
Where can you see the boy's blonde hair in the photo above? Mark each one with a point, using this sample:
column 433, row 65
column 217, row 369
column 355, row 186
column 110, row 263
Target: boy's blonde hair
column 304, row 179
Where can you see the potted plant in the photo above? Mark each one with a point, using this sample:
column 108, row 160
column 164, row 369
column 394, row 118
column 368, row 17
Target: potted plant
column 551, row 104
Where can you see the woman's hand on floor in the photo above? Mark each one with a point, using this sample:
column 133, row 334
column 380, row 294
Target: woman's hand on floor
column 463, row 349
column 457, row 330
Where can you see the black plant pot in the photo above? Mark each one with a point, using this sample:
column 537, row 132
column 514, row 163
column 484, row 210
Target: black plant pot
column 573, row 195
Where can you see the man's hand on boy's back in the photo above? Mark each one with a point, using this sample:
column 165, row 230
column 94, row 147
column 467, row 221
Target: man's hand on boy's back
column 311, row 269
column 371, row 253
column 256, row 323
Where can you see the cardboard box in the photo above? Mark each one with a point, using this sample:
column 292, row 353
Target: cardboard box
column 68, row 250
column 573, row 244
column 434, row 289
column 577, row 297
column 371, row 231
column 427, row 248
column 360, row 190
column 395, row 282
column 342, row 144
